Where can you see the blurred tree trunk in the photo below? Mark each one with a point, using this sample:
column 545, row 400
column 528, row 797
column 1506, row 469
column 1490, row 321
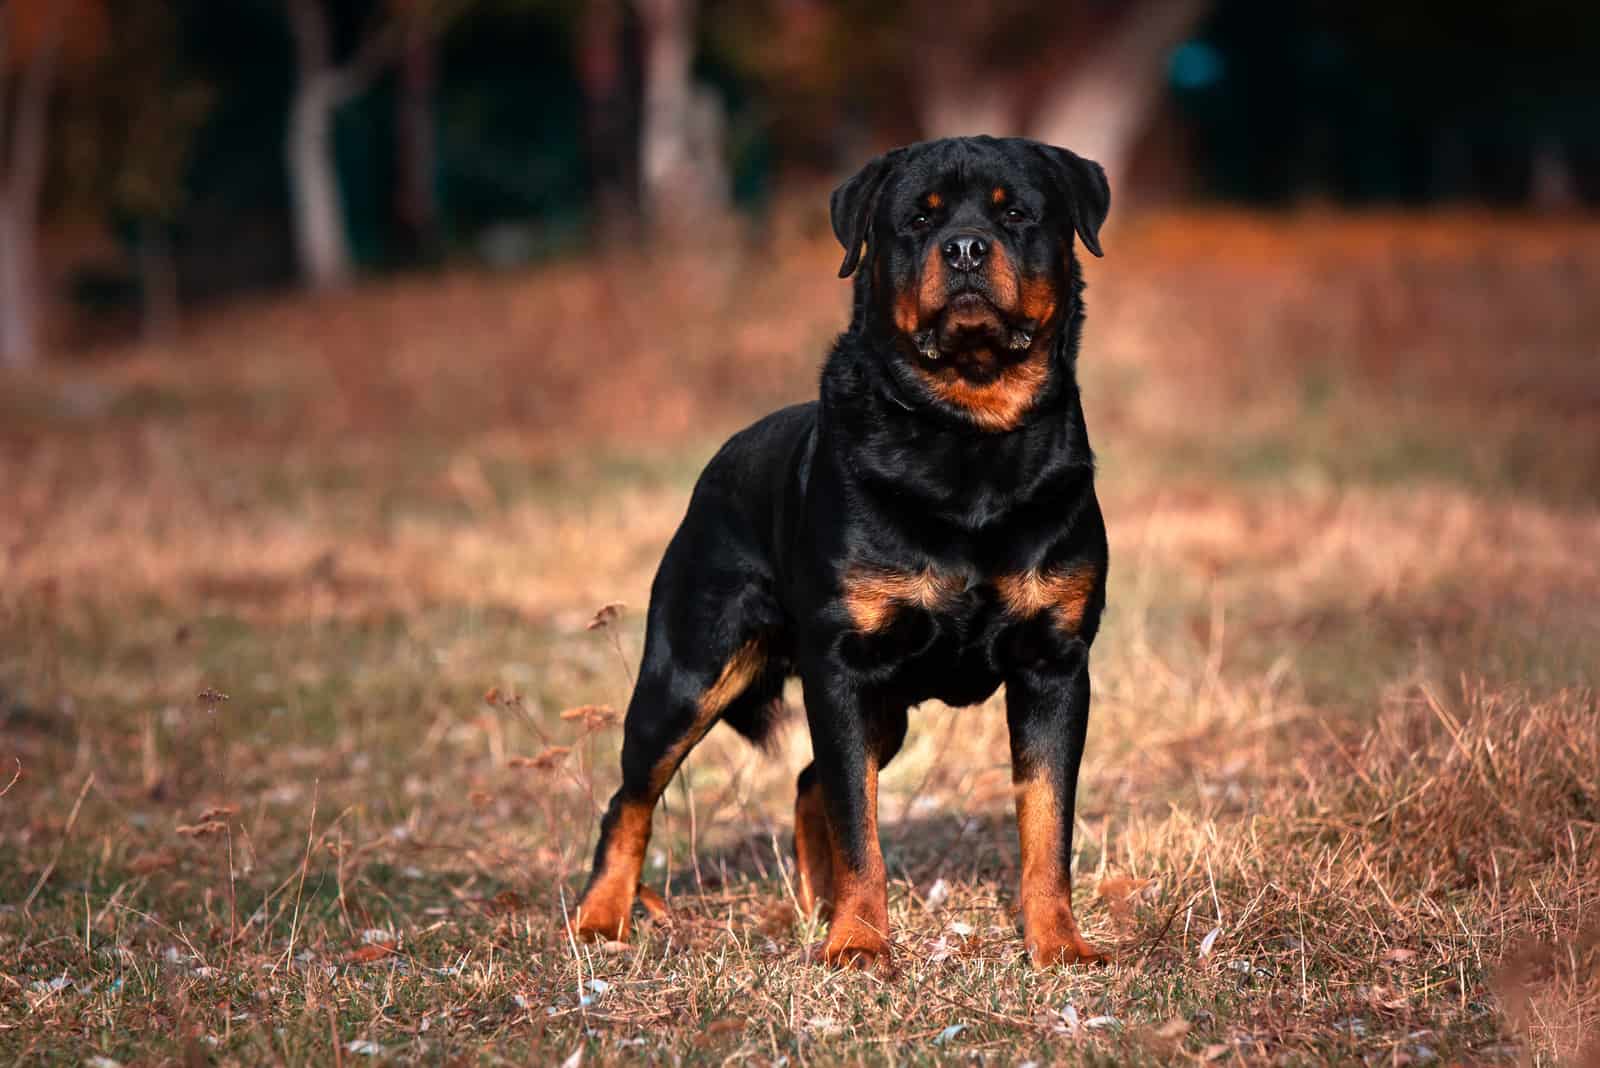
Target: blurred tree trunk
column 417, row 202
column 957, row 107
column 685, row 177
column 611, row 135
column 321, row 88
column 22, row 162
column 158, row 283
column 1100, row 107
column 961, row 89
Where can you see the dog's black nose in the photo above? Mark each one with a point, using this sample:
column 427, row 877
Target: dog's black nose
column 965, row 252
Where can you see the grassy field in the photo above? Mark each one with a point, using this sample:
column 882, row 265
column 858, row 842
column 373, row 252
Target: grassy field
column 295, row 658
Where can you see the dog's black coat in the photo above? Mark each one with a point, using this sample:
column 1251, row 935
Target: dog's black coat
column 808, row 533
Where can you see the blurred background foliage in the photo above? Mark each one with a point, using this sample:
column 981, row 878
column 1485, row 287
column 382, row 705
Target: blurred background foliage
column 160, row 155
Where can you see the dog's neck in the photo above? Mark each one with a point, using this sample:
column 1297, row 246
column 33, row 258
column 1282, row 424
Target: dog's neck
column 897, row 442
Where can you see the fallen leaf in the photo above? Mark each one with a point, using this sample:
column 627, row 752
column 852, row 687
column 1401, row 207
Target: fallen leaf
column 1394, row 956
column 1209, row 940
column 1176, row 1027
column 506, row 901
column 372, row 951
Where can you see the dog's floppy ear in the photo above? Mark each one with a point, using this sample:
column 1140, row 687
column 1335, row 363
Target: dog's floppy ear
column 852, row 206
column 1088, row 192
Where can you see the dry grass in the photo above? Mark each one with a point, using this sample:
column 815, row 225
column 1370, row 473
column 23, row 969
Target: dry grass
column 1342, row 797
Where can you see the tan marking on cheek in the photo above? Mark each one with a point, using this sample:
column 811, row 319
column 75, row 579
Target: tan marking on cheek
column 873, row 595
column 1038, row 299
column 1064, row 593
column 934, row 200
column 1002, row 277
column 931, row 288
column 906, row 316
column 742, row 669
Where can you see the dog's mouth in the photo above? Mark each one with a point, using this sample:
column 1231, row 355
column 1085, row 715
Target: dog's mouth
column 970, row 324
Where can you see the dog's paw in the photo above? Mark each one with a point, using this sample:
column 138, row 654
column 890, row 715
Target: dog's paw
column 856, row 944
column 1067, row 950
column 603, row 915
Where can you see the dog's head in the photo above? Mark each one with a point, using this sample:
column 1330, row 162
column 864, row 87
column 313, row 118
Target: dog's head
column 968, row 263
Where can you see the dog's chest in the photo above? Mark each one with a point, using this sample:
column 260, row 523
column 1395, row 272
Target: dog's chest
column 945, row 632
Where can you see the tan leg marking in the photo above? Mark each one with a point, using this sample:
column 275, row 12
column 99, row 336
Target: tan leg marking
column 1048, row 926
column 813, row 851
column 858, row 937
column 606, row 910
column 742, row 669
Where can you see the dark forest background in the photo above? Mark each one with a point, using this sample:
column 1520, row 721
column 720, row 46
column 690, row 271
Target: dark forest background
column 161, row 155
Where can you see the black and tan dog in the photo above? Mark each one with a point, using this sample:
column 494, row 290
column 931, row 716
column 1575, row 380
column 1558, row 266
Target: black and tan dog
column 927, row 529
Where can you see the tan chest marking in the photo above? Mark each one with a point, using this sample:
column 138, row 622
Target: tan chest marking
column 1062, row 592
column 873, row 595
column 998, row 404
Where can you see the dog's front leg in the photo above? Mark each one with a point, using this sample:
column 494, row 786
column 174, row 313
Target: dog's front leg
column 1047, row 711
column 846, row 749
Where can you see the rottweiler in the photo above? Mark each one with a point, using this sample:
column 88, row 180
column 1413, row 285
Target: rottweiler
column 927, row 528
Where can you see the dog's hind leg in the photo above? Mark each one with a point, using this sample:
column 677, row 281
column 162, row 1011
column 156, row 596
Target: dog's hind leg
column 672, row 709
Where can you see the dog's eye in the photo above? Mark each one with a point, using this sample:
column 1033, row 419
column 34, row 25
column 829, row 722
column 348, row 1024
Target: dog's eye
column 920, row 222
column 1014, row 215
